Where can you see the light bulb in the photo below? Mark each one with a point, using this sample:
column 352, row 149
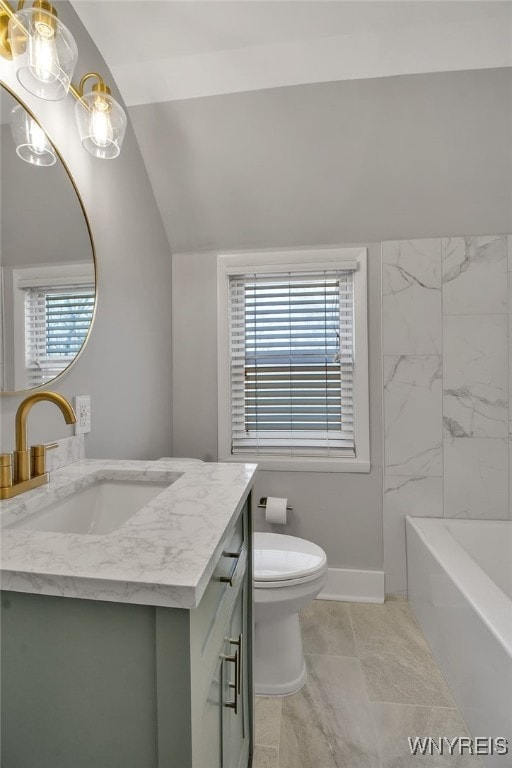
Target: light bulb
column 101, row 127
column 37, row 138
column 45, row 60
column 30, row 140
column 101, row 121
column 44, row 52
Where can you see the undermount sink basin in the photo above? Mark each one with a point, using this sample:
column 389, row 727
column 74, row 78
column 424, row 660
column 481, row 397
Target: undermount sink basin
column 98, row 509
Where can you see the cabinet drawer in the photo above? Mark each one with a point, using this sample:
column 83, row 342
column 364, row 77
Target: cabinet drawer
column 209, row 622
column 219, row 594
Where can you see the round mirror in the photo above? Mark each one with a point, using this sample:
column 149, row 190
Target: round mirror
column 47, row 263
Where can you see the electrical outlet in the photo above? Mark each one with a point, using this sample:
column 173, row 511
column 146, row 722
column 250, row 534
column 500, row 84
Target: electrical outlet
column 83, row 414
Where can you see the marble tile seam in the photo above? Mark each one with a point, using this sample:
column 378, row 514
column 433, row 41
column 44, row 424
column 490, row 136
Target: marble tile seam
column 415, row 706
column 331, row 655
column 358, row 652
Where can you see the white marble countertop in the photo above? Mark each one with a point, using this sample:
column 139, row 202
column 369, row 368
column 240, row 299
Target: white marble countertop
column 164, row 555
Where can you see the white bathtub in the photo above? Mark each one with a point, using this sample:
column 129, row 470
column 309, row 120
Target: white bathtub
column 460, row 588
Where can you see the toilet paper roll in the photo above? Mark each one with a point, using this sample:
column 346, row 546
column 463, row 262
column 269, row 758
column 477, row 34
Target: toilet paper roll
column 276, row 510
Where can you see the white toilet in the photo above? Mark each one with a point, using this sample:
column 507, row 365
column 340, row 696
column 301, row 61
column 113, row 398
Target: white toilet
column 288, row 573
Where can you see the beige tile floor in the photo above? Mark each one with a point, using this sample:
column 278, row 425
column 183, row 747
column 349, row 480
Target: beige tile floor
column 372, row 683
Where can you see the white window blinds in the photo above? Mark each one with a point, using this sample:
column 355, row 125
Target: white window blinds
column 56, row 324
column 292, row 363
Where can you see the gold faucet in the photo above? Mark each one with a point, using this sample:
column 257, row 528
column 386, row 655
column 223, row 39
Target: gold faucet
column 26, row 468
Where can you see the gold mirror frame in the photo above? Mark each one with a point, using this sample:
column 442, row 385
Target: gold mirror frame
column 93, row 249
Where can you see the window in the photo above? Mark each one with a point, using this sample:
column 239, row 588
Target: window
column 293, row 383
column 53, row 309
column 57, row 321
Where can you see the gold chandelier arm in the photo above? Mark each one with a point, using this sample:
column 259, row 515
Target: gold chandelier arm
column 7, row 8
column 109, row 127
column 4, row 6
column 88, row 77
column 7, row 14
column 79, row 92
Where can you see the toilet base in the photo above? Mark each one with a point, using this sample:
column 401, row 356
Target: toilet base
column 279, row 666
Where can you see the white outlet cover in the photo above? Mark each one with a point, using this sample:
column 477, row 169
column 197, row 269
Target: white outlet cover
column 83, row 414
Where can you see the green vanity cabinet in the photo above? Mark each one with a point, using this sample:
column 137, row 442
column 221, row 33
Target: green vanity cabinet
column 236, row 721
column 95, row 684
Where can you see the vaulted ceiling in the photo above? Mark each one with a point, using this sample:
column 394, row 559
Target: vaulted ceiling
column 163, row 50
column 267, row 165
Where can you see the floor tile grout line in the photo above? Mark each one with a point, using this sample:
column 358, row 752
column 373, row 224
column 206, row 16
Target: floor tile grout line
column 356, row 645
column 333, row 655
column 365, row 689
column 280, row 732
column 417, row 706
column 267, row 746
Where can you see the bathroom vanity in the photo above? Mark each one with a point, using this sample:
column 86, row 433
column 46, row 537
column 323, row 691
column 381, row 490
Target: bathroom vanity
column 127, row 637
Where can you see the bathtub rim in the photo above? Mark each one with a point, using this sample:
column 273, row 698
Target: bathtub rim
column 489, row 601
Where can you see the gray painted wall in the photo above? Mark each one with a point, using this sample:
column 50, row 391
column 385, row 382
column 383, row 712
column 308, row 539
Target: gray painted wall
column 341, row 512
column 126, row 366
column 335, row 163
column 41, row 221
column 384, row 159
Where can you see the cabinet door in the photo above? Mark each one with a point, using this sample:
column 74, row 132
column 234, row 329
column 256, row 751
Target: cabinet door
column 209, row 754
column 235, row 738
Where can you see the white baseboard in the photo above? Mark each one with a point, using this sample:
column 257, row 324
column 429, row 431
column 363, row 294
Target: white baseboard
column 353, row 586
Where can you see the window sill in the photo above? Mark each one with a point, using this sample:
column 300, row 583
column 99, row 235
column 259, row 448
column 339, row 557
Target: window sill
column 302, row 464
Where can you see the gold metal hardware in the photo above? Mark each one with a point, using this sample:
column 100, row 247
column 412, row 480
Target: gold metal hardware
column 43, row 20
column 38, row 458
column 27, row 485
column 23, row 459
column 5, row 43
column 7, row 13
column 5, row 470
column 21, row 454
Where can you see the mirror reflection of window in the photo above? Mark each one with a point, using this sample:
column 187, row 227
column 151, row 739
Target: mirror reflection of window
column 45, row 244
column 57, row 321
column 53, row 308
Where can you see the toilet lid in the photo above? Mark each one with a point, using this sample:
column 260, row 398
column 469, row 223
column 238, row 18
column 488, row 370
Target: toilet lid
column 278, row 557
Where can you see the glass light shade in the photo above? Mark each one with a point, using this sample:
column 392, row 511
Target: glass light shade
column 101, row 124
column 31, row 142
column 44, row 53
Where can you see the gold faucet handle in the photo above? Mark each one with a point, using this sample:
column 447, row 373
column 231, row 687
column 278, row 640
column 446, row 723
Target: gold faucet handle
column 5, row 470
column 38, row 458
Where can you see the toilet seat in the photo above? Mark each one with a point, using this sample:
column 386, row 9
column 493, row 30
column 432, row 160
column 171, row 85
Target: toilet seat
column 281, row 560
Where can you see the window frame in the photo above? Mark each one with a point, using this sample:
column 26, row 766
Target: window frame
column 61, row 275
column 304, row 260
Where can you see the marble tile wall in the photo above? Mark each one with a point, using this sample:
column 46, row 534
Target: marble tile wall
column 447, row 366
column 69, row 450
